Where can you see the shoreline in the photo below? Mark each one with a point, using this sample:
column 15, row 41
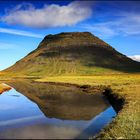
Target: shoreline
column 123, row 94
column 116, row 101
column 4, row 88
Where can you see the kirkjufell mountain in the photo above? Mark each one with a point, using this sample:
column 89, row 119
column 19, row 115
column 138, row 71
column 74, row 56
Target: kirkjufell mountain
column 73, row 53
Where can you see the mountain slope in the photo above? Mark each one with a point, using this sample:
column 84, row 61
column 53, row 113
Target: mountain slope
column 75, row 53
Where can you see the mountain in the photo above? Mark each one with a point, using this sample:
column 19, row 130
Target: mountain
column 73, row 53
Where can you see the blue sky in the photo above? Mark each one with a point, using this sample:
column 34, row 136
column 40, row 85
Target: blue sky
column 23, row 24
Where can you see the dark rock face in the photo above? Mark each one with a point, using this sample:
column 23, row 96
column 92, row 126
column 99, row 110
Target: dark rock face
column 74, row 53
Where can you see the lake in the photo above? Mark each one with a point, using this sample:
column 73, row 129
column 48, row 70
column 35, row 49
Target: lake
column 33, row 110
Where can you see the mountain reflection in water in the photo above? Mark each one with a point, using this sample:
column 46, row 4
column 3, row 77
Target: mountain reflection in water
column 68, row 111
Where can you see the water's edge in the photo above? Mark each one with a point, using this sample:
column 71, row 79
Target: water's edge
column 115, row 101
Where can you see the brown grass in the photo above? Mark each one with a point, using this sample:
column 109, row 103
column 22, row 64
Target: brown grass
column 4, row 88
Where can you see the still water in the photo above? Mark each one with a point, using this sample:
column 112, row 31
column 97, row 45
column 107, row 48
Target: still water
column 44, row 111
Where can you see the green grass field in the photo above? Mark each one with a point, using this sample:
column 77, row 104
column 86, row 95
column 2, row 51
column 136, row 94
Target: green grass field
column 127, row 122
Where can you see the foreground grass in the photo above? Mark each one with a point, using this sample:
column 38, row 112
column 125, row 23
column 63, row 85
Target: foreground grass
column 127, row 122
column 4, row 88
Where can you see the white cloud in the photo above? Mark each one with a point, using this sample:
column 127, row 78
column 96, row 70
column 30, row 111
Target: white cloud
column 49, row 16
column 20, row 32
column 135, row 57
column 126, row 24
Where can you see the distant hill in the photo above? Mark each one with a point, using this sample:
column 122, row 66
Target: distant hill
column 73, row 53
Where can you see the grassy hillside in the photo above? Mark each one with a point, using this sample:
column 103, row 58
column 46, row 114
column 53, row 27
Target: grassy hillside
column 73, row 54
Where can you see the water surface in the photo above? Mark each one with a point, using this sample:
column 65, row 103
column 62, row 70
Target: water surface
column 40, row 110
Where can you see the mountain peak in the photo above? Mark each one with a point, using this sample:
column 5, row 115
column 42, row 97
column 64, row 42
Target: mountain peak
column 70, row 34
column 66, row 39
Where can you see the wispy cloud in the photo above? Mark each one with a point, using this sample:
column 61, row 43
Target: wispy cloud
column 53, row 15
column 135, row 57
column 6, row 107
column 127, row 24
column 102, row 30
column 20, row 32
column 8, row 46
column 20, row 120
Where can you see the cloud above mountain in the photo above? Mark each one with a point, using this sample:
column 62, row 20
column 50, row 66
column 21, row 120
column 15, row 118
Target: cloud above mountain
column 135, row 57
column 20, row 33
column 126, row 24
column 53, row 15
